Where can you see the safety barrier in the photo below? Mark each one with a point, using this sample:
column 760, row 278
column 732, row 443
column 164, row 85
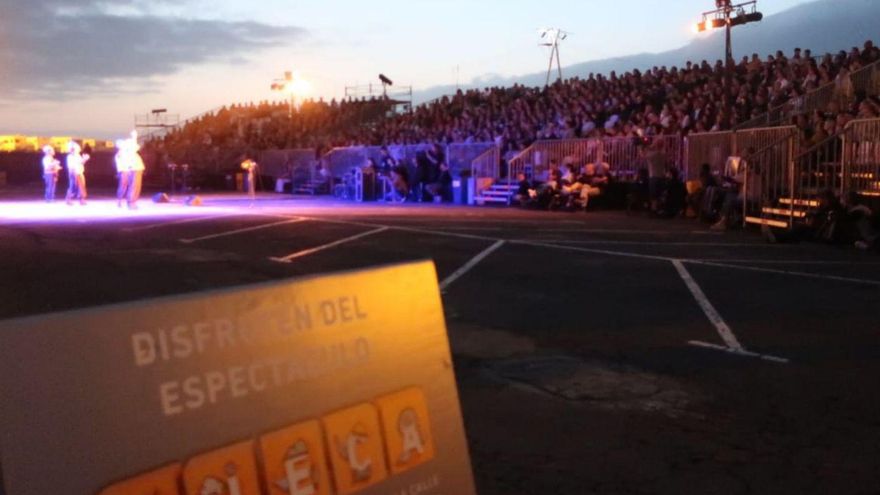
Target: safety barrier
column 864, row 81
column 710, row 147
column 623, row 155
column 861, row 157
column 769, row 176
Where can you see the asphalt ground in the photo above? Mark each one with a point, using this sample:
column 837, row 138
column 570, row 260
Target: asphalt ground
column 595, row 353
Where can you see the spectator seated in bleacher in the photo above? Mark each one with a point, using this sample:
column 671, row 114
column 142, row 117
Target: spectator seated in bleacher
column 673, row 197
column 441, row 189
column 823, row 225
column 731, row 192
column 638, row 196
column 859, row 223
column 590, row 183
column 701, row 192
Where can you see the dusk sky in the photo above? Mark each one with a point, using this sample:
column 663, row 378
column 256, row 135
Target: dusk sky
column 84, row 68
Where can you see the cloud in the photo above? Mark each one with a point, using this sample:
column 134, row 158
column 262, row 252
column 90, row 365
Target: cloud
column 56, row 49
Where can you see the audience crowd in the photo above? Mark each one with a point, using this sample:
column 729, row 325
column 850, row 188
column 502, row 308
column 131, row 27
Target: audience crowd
column 662, row 101
column 698, row 97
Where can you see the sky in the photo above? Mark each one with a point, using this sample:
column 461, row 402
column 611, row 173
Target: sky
column 84, row 68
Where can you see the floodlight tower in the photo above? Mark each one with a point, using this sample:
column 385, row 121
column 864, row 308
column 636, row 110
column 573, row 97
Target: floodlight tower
column 293, row 86
column 727, row 15
column 552, row 37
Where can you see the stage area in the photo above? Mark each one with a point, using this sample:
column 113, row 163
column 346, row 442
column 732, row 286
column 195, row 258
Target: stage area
column 595, row 353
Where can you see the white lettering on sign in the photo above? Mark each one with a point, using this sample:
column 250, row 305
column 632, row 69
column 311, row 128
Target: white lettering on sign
column 262, row 327
column 236, row 382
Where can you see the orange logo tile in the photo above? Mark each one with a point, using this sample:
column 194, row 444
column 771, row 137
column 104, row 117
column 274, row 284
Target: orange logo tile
column 162, row 481
column 407, row 427
column 228, row 471
column 354, row 441
column 294, row 460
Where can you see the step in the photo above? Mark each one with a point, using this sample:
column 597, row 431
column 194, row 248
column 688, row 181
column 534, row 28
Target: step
column 480, row 200
column 490, row 192
column 799, row 202
column 784, row 212
column 767, row 221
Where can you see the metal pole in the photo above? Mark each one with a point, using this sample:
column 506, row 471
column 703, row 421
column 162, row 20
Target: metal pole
column 550, row 67
column 558, row 64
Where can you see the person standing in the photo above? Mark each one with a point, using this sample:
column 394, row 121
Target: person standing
column 135, row 175
column 51, row 166
column 250, row 167
column 123, row 166
column 76, row 163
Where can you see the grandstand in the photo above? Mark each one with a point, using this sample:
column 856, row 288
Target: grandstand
column 789, row 114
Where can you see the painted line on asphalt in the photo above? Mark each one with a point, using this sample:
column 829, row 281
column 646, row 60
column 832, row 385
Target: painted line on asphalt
column 242, row 231
column 765, row 357
column 714, row 317
column 816, row 276
column 469, row 265
column 299, row 254
column 654, row 243
column 181, row 222
column 783, row 262
column 621, row 254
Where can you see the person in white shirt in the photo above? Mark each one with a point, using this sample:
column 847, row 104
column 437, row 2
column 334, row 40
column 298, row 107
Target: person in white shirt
column 76, row 162
column 135, row 173
column 51, row 167
column 123, row 165
column 250, row 167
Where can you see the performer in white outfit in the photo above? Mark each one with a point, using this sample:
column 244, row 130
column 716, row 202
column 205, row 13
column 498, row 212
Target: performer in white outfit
column 123, row 165
column 76, row 170
column 135, row 173
column 51, row 167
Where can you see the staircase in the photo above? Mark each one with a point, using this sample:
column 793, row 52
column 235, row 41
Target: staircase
column 500, row 193
column 310, row 187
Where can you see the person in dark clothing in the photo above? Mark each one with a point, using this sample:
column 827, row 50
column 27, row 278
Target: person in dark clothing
column 441, row 188
column 700, row 200
column 672, row 202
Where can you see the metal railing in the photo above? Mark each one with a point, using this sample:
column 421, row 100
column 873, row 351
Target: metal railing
column 709, row 147
column 864, row 81
column 769, row 177
column 486, row 166
column 624, row 156
column 861, row 158
column 535, row 160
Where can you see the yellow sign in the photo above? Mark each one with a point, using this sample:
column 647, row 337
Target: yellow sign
column 228, row 471
column 162, row 481
column 356, row 450
column 294, row 460
column 329, row 385
column 405, row 420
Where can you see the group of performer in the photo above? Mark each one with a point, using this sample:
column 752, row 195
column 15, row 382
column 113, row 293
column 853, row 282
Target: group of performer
column 129, row 170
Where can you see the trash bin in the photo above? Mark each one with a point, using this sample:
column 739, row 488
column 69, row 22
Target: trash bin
column 460, row 191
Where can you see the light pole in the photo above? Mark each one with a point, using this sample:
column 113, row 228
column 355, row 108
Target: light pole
column 728, row 15
column 293, row 86
column 553, row 37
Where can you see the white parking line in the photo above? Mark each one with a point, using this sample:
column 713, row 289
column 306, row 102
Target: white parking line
column 783, row 262
column 180, row 222
column 621, row 254
column 717, row 347
column 242, row 231
column 817, row 276
column 299, row 254
column 654, row 243
column 469, row 265
column 720, row 325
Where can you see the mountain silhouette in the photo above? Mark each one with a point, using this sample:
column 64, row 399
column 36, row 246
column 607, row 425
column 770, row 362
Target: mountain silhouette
column 822, row 26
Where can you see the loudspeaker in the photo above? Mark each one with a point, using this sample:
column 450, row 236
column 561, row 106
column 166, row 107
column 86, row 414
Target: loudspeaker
column 161, row 198
column 193, row 201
